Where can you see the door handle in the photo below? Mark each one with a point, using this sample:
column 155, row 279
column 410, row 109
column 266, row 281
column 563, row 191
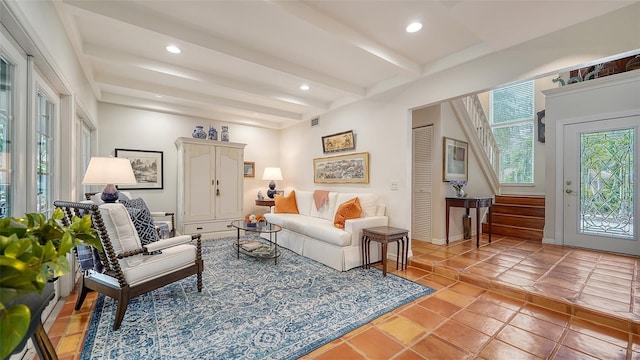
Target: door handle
column 568, row 191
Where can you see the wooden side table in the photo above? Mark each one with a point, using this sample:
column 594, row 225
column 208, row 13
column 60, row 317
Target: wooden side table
column 384, row 235
column 466, row 203
column 265, row 202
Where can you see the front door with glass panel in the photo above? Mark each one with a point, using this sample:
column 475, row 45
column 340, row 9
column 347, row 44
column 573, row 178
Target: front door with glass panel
column 600, row 185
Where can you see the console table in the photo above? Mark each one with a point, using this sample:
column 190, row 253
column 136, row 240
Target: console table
column 467, row 203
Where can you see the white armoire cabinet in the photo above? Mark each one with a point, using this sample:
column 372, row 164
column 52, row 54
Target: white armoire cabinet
column 210, row 185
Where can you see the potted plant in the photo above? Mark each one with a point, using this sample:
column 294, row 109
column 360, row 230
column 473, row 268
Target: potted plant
column 33, row 252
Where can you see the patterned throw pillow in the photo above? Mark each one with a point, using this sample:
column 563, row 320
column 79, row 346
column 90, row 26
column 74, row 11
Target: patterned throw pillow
column 142, row 220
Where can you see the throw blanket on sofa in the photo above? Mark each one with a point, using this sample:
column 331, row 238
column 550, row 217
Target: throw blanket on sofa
column 320, row 197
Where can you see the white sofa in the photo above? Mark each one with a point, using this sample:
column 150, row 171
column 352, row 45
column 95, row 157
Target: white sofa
column 312, row 233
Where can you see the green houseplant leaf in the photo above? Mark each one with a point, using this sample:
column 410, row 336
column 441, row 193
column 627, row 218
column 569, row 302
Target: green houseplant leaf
column 33, row 251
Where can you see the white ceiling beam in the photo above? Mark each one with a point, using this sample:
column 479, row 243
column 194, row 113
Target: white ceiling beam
column 344, row 32
column 205, row 113
column 192, row 96
column 145, row 18
column 114, row 56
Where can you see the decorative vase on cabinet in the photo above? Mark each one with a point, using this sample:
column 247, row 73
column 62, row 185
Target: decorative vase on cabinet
column 199, row 133
column 224, row 136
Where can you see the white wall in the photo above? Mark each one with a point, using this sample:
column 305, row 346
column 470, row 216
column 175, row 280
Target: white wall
column 129, row 128
column 383, row 123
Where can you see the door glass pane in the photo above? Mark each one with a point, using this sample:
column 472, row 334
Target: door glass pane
column 606, row 183
column 6, row 115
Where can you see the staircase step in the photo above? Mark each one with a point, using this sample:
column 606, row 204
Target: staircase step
column 530, row 222
column 532, row 200
column 514, row 231
column 511, row 209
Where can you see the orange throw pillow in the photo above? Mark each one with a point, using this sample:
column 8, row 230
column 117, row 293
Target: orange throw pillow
column 350, row 209
column 286, row 204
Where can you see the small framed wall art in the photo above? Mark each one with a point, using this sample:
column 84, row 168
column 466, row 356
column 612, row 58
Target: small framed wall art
column 455, row 162
column 338, row 142
column 249, row 169
column 147, row 167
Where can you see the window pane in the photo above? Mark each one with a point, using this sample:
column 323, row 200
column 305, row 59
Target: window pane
column 6, row 115
column 516, row 153
column 513, row 103
column 44, row 175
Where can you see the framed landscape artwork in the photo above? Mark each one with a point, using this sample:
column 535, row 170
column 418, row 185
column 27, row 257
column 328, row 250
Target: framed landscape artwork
column 147, row 167
column 338, row 142
column 343, row 169
column 455, row 163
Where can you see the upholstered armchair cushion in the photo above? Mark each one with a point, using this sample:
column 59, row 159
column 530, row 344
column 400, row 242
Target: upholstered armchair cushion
column 122, row 232
column 170, row 260
column 169, row 242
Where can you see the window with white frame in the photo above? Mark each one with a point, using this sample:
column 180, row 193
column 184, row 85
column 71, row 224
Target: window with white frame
column 44, row 153
column 512, row 113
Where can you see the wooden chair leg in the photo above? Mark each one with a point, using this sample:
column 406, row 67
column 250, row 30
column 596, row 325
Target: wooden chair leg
column 83, row 294
column 199, row 281
column 123, row 301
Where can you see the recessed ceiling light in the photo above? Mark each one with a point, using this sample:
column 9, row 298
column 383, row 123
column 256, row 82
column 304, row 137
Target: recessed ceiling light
column 173, row 49
column 304, row 87
column 413, row 27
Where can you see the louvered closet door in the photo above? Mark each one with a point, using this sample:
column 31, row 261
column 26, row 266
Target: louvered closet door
column 422, row 182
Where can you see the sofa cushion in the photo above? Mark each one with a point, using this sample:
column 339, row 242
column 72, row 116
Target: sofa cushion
column 368, row 202
column 326, row 212
column 349, row 209
column 326, row 232
column 304, row 201
column 286, row 204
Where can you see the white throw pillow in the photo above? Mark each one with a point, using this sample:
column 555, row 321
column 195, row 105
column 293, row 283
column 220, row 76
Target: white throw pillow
column 121, row 231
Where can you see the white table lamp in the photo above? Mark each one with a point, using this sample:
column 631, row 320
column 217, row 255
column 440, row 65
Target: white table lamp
column 109, row 171
column 271, row 174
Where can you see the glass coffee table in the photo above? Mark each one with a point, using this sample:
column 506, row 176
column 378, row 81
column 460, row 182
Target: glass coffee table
column 261, row 248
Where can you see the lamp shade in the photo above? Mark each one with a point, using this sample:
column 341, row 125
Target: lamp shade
column 109, row 170
column 272, row 173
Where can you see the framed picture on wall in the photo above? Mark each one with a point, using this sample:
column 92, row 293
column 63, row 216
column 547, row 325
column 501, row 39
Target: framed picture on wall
column 455, row 162
column 147, row 167
column 343, row 169
column 338, row 142
column 249, row 169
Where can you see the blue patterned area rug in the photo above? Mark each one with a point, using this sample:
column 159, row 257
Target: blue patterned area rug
column 248, row 309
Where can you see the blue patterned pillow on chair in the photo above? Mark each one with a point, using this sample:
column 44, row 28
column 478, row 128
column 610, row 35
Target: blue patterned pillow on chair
column 142, row 220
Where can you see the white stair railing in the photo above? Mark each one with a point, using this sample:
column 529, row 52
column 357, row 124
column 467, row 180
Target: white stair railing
column 475, row 124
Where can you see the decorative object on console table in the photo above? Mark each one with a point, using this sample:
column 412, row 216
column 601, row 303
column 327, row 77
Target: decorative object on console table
column 249, row 169
column 342, row 169
column 458, row 186
column 148, row 168
column 338, row 142
column 224, row 136
column 199, row 133
column 455, row 162
column 109, row 171
column 213, row 133
column 272, row 174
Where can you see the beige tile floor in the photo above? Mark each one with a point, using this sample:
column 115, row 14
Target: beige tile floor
column 512, row 299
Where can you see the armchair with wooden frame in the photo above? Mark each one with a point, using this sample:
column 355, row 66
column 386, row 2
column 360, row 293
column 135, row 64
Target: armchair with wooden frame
column 129, row 268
